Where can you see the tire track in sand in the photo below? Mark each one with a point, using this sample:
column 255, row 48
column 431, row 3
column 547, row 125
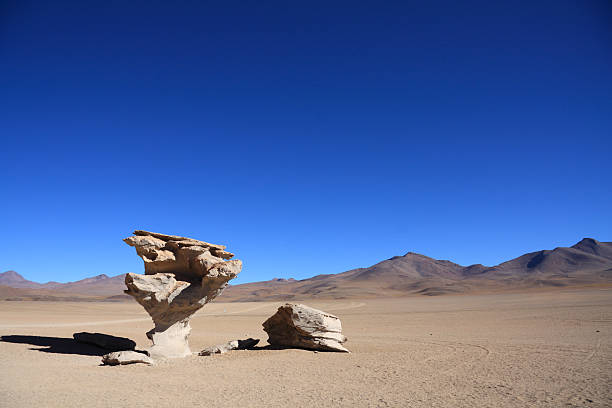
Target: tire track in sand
column 454, row 347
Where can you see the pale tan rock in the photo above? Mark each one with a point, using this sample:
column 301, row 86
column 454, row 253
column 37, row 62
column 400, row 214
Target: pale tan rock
column 176, row 238
column 126, row 357
column 222, row 254
column 189, row 259
column 231, row 345
column 204, row 261
column 296, row 325
column 181, row 276
column 229, row 268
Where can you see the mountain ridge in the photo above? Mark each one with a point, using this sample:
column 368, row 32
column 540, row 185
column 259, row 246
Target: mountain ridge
column 12, row 276
column 588, row 262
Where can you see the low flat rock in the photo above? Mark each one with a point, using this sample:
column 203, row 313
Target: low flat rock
column 126, row 357
column 301, row 326
column 105, row 341
column 232, row 345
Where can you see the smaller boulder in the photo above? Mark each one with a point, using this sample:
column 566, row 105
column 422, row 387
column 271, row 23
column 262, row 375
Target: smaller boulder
column 300, row 326
column 105, row 341
column 232, row 345
column 126, row 357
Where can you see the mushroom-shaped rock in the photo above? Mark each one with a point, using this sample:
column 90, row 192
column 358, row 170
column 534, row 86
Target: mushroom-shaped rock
column 295, row 325
column 181, row 275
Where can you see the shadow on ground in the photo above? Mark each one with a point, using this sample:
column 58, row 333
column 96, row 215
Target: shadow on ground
column 56, row 345
column 66, row 345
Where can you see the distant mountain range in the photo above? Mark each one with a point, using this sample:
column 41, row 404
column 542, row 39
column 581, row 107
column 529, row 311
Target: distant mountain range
column 13, row 286
column 587, row 263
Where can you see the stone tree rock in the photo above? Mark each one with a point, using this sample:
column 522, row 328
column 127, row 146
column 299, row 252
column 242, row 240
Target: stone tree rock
column 300, row 326
column 181, row 275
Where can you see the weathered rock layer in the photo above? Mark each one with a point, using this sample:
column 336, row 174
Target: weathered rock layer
column 295, row 325
column 181, row 275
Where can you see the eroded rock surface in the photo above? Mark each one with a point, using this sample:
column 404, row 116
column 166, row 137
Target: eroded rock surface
column 296, row 325
column 126, row 357
column 232, row 345
column 105, row 341
column 181, row 275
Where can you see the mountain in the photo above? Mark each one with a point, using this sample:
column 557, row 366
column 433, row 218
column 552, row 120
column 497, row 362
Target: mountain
column 14, row 286
column 587, row 263
column 15, row 280
column 100, row 285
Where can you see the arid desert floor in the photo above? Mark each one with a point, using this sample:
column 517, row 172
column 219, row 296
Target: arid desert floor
column 550, row 349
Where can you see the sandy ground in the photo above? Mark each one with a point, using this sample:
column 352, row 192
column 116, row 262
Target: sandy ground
column 508, row 350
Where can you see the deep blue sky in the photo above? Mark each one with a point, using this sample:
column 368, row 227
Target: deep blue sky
column 309, row 137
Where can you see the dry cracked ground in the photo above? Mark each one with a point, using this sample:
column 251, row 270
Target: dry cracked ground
column 549, row 349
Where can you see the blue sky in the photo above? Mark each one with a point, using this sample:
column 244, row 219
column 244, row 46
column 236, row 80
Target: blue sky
column 308, row 137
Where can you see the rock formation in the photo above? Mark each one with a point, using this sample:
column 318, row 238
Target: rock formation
column 300, row 326
column 105, row 341
column 126, row 357
column 181, row 275
column 232, row 345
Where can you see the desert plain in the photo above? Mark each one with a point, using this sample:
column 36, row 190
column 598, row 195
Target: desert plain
column 538, row 348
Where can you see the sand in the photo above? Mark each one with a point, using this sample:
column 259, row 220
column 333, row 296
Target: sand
column 550, row 349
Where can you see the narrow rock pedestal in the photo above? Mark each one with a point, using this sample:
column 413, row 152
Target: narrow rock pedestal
column 181, row 276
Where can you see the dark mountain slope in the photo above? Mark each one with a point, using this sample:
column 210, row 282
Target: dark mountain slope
column 582, row 259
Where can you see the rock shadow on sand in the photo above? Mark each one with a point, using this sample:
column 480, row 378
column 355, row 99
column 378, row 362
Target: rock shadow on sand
column 59, row 345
